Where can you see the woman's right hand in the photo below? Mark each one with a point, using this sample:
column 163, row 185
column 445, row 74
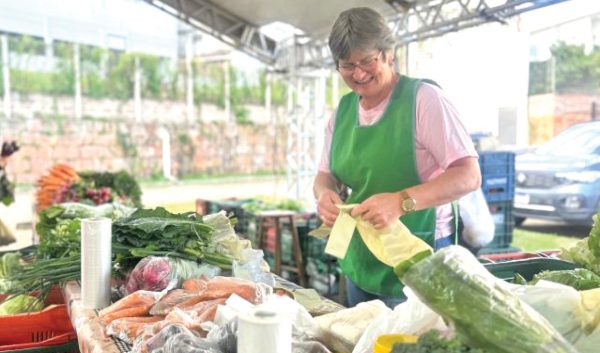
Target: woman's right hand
column 326, row 208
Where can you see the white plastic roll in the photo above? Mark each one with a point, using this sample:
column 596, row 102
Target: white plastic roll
column 263, row 330
column 96, row 235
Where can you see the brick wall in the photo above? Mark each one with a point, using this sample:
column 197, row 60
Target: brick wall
column 109, row 145
column 549, row 114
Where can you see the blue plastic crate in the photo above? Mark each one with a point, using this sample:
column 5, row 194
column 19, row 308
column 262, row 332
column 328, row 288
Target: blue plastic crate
column 497, row 175
column 498, row 187
column 504, row 222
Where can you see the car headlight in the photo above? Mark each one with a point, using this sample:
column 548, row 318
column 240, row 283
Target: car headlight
column 588, row 176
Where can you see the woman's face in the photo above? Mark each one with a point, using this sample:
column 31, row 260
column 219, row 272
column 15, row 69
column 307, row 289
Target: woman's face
column 367, row 73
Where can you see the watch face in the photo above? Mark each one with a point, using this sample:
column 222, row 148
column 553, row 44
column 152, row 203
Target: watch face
column 408, row 204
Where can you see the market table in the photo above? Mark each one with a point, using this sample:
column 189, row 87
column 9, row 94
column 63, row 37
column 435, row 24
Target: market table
column 90, row 331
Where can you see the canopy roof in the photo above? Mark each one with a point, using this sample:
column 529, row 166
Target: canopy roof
column 240, row 23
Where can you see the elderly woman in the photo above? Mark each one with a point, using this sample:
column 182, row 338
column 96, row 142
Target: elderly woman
column 398, row 144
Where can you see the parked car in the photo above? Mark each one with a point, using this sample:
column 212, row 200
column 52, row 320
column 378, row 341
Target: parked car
column 561, row 179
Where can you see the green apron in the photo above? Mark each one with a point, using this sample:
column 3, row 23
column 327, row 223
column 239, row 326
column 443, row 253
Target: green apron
column 376, row 159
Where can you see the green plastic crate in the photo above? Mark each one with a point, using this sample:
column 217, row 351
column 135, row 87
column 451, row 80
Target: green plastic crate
column 527, row 268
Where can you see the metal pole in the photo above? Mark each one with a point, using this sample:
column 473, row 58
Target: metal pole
column 137, row 90
column 189, row 49
column 268, row 78
column 594, row 110
column 228, row 114
column 6, row 76
column 77, row 69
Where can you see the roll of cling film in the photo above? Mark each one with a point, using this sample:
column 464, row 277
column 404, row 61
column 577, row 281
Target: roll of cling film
column 264, row 330
column 96, row 236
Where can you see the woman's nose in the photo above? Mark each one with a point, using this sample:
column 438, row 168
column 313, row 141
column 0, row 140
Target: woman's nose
column 358, row 73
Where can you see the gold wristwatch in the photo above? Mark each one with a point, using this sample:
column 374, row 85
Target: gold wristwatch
column 407, row 203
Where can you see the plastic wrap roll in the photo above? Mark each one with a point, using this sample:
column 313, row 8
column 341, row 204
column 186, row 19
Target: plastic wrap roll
column 263, row 330
column 96, row 236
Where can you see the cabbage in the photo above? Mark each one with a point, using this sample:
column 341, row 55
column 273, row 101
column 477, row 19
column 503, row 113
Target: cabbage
column 20, row 304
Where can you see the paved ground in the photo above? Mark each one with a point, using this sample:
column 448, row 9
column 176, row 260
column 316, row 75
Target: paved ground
column 19, row 216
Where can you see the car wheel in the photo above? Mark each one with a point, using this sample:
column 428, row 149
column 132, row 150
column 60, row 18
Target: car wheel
column 519, row 220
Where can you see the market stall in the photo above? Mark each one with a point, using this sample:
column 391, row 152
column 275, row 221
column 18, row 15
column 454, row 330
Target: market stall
column 188, row 282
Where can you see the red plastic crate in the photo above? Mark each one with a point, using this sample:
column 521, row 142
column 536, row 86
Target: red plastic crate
column 46, row 328
column 512, row 256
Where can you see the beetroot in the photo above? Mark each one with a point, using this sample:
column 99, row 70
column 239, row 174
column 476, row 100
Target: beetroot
column 151, row 273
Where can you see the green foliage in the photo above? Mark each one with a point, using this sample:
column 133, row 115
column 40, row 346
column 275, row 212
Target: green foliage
column 570, row 70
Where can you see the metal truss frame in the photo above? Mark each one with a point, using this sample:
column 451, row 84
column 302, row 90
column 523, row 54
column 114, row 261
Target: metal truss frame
column 220, row 23
column 414, row 21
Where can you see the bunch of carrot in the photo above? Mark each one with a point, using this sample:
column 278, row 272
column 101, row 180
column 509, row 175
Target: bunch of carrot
column 59, row 177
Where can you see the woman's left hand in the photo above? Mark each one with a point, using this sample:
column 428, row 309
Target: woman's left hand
column 381, row 210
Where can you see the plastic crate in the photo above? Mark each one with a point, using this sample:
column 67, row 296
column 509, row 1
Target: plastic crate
column 497, row 163
column 504, row 222
column 55, row 297
column 497, row 175
column 527, row 268
column 49, row 330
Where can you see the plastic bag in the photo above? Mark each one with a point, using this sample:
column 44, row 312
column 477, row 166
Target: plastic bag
column 478, row 223
column 159, row 273
column 411, row 317
column 343, row 329
column 565, row 309
column 187, row 343
column 480, row 307
column 251, row 266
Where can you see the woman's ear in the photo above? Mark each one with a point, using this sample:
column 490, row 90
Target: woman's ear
column 389, row 57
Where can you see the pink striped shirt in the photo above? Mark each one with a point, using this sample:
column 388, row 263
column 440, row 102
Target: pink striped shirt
column 441, row 138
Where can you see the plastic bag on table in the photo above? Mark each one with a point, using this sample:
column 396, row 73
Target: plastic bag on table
column 155, row 342
column 252, row 266
column 137, row 303
column 159, row 273
column 567, row 310
column 188, row 343
column 223, row 287
column 129, row 328
column 411, row 317
column 343, row 329
column 480, row 307
column 478, row 223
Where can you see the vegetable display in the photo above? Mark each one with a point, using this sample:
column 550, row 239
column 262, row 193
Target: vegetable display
column 7, row 188
column 63, row 184
column 586, row 252
column 580, row 278
column 433, row 342
column 484, row 312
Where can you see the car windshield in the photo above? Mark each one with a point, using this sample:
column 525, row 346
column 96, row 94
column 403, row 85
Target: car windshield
column 577, row 140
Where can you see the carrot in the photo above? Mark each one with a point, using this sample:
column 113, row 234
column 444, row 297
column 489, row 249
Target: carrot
column 128, row 312
column 135, row 299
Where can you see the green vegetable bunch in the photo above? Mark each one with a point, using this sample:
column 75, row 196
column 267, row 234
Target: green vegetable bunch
column 433, row 342
column 586, row 252
column 158, row 232
column 580, row 278
column 481, row 308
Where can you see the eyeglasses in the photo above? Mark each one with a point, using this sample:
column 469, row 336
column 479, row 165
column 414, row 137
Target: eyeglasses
column 367, row 64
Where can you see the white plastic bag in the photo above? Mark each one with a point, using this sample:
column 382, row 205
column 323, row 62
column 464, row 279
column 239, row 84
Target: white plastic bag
column 478, row 223
column 410, row 318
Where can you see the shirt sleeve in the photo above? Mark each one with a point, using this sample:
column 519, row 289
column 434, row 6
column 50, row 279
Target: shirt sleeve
column 324, row 164
column 439, row 131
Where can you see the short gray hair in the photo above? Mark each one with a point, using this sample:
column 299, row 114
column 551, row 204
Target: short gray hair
column 359, row 28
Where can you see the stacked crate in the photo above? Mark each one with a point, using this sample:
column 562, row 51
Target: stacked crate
column 498, row 186
column 322, row 270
